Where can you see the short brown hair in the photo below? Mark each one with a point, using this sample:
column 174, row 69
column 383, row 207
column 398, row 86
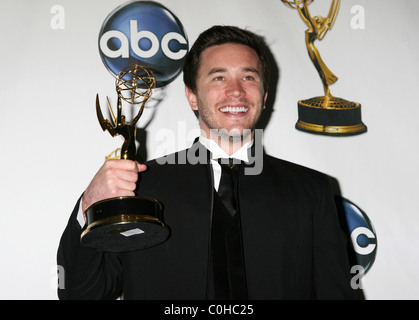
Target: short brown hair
column 219, row 35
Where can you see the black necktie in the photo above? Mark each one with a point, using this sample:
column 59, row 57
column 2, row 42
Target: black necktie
column 228, row 272
column 227, row 190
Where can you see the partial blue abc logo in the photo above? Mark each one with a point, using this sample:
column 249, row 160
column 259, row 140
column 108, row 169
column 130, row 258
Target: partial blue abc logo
column 362, row 238
column 145, row 33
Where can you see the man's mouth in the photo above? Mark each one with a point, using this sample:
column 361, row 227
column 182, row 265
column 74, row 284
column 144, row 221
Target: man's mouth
column 234, row 110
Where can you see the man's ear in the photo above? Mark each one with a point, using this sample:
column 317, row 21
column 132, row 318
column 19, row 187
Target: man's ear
column 191, row 96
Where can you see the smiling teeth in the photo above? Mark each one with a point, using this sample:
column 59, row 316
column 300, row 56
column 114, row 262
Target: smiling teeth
column 234, row 109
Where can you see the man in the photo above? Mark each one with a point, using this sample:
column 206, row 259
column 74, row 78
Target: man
column 279, row 238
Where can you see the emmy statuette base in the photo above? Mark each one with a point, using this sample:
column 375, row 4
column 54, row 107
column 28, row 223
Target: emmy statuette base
column 330, row 116
column 124, row 224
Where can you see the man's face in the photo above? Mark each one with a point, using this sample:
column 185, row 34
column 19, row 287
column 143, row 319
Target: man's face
column 229, row 89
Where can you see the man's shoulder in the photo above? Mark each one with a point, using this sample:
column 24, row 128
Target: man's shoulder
column 291, row 168
column 196, row 154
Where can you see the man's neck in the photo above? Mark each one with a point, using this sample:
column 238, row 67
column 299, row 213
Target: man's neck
column 229, row 144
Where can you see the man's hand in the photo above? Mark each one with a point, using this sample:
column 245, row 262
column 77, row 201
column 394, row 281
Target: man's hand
column 116, row 178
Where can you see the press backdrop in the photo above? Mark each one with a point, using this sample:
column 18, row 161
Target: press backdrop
column 52, row 145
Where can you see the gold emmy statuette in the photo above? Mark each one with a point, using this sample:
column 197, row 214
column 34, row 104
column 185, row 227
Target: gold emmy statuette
column 327, row 114
column 126, row 224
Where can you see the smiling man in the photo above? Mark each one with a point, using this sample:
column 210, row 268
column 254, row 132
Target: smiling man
column 229, row 94
column 271, row 235
column 226, row 79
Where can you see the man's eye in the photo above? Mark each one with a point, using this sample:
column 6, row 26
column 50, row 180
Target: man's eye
column 249, row 78
column 219, row 78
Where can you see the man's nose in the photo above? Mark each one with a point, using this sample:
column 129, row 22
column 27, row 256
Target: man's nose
column 235, row 89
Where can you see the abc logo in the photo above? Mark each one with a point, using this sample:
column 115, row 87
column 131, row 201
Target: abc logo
column 361, row 235
column 144, row 33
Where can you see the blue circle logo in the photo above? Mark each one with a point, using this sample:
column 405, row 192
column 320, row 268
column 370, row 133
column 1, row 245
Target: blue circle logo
column 361, row 235
column 145, row 33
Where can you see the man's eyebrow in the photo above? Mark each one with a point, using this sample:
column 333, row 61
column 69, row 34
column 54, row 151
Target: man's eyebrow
column 224, row 70
column 250, row 69
column 217, row 70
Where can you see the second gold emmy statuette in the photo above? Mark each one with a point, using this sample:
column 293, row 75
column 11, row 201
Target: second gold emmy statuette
column 326, row 114
column 126, row 224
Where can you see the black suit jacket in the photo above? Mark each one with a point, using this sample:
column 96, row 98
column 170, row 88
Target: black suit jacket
column 293, row 245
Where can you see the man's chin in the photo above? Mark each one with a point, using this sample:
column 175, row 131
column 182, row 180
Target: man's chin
column 233, row 133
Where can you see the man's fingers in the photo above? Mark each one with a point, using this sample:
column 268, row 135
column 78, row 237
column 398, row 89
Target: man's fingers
column 120, row 193
column 118, row 185
column 129, row 165
column 125, row 175
column 124, row 169
column 141, row 167
column 116, row 178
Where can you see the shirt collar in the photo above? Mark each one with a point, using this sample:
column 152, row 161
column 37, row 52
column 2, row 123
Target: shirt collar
column 217, row 152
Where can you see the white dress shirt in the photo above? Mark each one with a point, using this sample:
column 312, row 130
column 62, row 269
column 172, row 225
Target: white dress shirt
column 218, row 153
